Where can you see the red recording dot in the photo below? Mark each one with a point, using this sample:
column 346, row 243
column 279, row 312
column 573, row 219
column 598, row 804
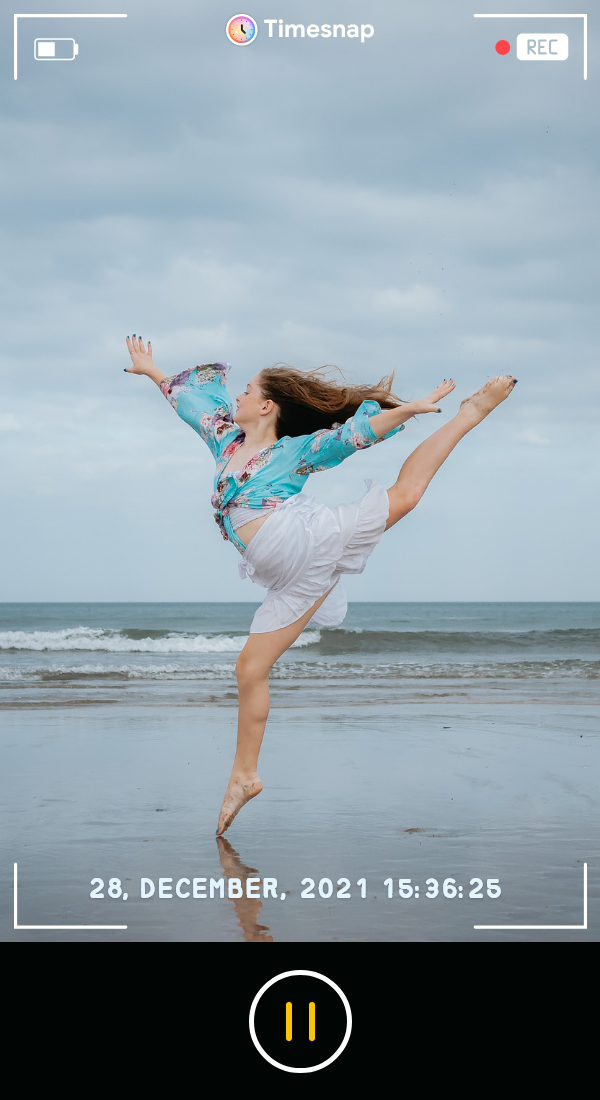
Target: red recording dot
column 502, row 46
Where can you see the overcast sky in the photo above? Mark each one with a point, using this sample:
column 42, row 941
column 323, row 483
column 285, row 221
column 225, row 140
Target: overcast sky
column 415, row 202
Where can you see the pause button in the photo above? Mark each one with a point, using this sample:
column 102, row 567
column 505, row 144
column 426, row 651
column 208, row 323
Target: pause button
column 289, row 1021
column 300, row 1021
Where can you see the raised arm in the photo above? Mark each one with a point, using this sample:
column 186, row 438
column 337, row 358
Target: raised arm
column 198, row 395
column 327, row 448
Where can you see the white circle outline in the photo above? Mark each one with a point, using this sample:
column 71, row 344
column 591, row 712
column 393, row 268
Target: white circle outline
column 306, row 974
column 242, row 15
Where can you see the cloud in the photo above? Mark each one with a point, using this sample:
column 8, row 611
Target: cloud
column 415, row 303
column 9, row 422
column 530, row 435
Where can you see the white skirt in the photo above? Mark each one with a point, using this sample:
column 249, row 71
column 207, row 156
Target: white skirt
column 303, row 549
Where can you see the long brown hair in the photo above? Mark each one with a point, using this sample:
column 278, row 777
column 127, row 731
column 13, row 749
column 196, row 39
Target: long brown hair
column 307, row 401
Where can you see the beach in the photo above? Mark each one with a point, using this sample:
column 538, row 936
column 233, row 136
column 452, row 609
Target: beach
column 451, row 743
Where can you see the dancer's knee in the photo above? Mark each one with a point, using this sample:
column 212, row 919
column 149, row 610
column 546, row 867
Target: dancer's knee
column 251, row 670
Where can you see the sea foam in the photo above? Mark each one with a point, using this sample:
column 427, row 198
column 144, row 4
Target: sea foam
column 93, row 639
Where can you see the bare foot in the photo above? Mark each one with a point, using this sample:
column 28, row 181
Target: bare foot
column 481, row 403
column 238, row 793
column 430, row 404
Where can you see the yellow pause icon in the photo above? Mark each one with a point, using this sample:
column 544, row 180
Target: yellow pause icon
column 311, row 1021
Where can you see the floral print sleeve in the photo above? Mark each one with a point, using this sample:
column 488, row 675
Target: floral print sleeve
column 327, row 448
column 199, row 397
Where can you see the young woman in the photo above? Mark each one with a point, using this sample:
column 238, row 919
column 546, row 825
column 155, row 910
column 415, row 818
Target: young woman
column 288, row 424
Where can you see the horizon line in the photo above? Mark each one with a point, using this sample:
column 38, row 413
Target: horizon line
column 350, row 602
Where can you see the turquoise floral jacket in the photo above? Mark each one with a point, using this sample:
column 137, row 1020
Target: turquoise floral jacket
column 276, row 472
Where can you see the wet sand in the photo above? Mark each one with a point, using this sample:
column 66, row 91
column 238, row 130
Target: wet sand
column 415, row 791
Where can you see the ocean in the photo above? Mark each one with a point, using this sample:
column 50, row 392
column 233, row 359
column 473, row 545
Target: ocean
column 68, row 653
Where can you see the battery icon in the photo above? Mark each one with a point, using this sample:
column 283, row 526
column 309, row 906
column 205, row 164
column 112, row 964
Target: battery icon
column 55, row 49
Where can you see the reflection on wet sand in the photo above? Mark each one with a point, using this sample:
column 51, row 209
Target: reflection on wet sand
column 247, row 909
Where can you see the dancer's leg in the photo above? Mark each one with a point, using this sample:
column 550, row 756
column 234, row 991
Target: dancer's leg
column 253, row 667
column 425, row 461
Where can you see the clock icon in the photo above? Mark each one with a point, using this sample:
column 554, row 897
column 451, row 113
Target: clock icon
column 241, row 30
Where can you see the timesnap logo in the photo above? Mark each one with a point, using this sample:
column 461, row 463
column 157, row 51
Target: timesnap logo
column 241, row 30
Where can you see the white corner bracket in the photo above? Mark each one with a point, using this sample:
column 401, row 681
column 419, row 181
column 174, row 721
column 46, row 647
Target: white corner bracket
column 543, row 15
column 47, row 15
column 51, row 927
column 568, row 927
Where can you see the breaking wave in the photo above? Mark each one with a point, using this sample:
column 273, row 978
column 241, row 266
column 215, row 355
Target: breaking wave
column 355, row 674
column 93, row 639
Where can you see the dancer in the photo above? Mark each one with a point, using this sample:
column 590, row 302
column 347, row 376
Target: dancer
column 288, row 424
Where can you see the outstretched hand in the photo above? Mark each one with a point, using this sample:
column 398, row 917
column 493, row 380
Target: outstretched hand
column 389, row 419
column 141, row 357
column 430, row 404
column 141, row 360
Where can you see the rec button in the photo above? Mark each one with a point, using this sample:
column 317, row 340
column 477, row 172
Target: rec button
column 542, row 47
column 300, row 1021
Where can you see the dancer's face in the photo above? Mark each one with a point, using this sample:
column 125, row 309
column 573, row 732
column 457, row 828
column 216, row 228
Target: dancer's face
column 251, row 405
